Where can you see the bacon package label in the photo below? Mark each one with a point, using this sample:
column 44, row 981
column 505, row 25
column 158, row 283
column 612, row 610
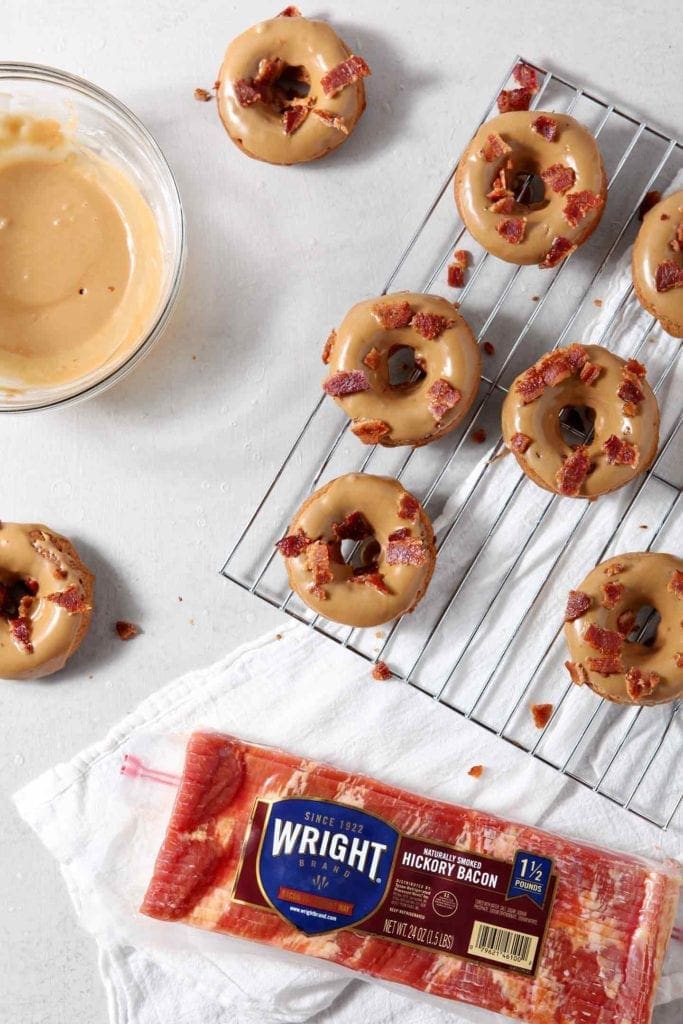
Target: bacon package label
column 325, row 866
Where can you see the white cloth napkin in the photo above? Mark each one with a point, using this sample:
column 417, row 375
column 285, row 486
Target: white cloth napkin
column 296, row 690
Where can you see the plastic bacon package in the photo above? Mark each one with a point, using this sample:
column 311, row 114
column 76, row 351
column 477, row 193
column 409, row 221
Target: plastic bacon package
column 449, row 903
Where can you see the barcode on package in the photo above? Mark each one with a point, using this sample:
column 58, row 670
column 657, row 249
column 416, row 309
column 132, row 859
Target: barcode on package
column 503, row 945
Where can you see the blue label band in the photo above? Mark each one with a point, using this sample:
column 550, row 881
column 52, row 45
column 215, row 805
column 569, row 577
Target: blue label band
column 530, row 877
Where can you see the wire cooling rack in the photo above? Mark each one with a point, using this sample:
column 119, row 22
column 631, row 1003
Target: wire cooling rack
column 487, row 640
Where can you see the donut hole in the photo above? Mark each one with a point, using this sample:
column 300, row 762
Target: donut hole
column 294, row 82
column 12, row 588
column 577, row 424
column 645, row 626
column 404, row 368
column 528, row 188
column 360, row 555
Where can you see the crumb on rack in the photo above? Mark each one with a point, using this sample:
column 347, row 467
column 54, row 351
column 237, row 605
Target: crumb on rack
column 476, row 771
column 479, row 435
column 535, row 298
column 541, row 714
column 126, row 630
column 597, row 302
column 203, row 95
column 381, row 671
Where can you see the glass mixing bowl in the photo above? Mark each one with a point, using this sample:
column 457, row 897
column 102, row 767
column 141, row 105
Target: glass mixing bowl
column 104, row 125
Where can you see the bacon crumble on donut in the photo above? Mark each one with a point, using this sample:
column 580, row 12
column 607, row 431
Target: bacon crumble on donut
column 353, row 526
column 577, row 672
column 346, row 382
column 290, row 12
column 678, row 658
column 545, row 126
column 579, row 204
column 318, row 562
column 442, row 397
column 431, row 325
column 559, row 177
column 589, row 372
column 400, row 534
column 530, row 385
column 525, row 76
column 494, row 148
column 329, row 345
column 373, row 360
column 675, row 585
column 514, row 99
column 574, row 471
column 676, row 243
column 607, row 665
column 633, row 366
column 641, row 684
column 372, row 578
column 620, row 453
column 370, row 431
column 382, row 672
column 269, row 70
column 505, row 205
column 293, row 545
column 606, row 641
column 330, row 119
column 650, row 200
column 520, row 442
column 71, row 600
column 245, row 92
column 512, row 229
column 668, row 275
column 614, row 569
column 351, row 70
column 499, row 188
column 392, row 315
column 541, row 714
column 630, row 392
column 578, row 604
column 410, row 551
column 612, row 594
column 560, row 248
column 408, row 506
column 293, row 117
column 626, row 620
column 20, row 631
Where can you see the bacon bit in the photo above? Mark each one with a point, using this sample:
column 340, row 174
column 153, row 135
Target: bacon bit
column 589, row 372
column 318, row 591
column 545, row 126
column 354, row 526
column 329, row 345
column 290, row 12
column 611, row 595
column 20, row 631
column 71, row 600
column 607, row 641
column 203, row 95
column 349, row 71
column 372, row 578
column 550, row 371
column 408, row 506
column 318, row 562
column 577, row 356
column 499, row 186
column 370, row 431
column 504, row 205
column 577, row 672
column 514, row 99
column 476, row 771
column 431, row 325
column 675, row 586
column 678, row 658
column 269, row 70
column 519, row 443
column 512, row 229
column 620, row 453
column 614, row 569
column 573, row 472
column 461, row 258
column 668, row 275
column 578, row 204
column 292, row 545
column 382, row 672
column 494, row 148
column 410, row 551
column 676, row 243
column 126, row 630
column 555, row 367
column 578, row 604
column 559, row 249
column 442, row 397
column 650, row 200
column 478, row 436
column 530, row 385
column 525, row 76
column 625, row 622
column 400, row 534
column 664, row 216
column 633, row 366
column 373, row 359
column 630, row 392
column 346, row 382
column 245, row 93
column 559, row 177
column 293, row 118
column 608, row 665
column 541, row 714
column 331, row 120
column 641, row 684
column 455, row 276
column 392, row 315
column 488, row 348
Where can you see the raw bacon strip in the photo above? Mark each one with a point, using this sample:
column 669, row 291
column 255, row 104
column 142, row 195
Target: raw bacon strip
column 574, row 471
column 370, row 431
column 442, row 397
column 545, row 126
column 349, row 71
column 668, row 275
column 558, row 177
column 514, row 99
column 430, row 325
column 607, row 931
column 392, row 315
column 578, row 604
column 512, row 229
column 494, row 148
column 560, row 248
column 346, row 382
column 579, row 204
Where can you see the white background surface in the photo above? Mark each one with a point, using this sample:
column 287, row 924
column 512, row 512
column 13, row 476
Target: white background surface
column 152, row 479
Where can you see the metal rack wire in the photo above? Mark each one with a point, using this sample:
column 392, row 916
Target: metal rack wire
column 486, row 640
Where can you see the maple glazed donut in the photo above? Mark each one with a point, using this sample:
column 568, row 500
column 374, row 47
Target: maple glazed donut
column 45, row 600
column 600, row 619
column 289, row 90
column 394, row 543
column 413, row 412
column 625, row 428
column 561, row 154
column 657, row 263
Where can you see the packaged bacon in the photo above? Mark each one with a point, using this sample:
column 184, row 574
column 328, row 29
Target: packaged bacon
column 267, row 846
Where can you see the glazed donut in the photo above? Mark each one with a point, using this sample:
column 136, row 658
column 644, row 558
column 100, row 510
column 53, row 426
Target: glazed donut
column 411, row 413
column 601, row 616
column 394, row 544
column 557, row 150
column 289, row 90
column 45, row 600
column 625, row 429
column 657, row 263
